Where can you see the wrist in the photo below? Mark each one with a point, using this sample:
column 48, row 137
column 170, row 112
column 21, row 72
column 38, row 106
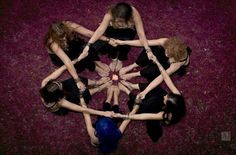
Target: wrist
column 77, row 80
column 147, row 49
column 89, row 44
column 108, row 40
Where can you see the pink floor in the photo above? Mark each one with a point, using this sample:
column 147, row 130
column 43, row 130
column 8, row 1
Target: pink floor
column 208, row 27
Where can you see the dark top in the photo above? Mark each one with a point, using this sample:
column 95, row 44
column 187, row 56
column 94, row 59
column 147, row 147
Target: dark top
column 153, row 101
column 72, row 93
column 151, row 71
column 75, row 48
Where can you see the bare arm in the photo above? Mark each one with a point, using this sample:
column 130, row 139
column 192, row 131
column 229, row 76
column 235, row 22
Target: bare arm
column 94, row 140
column 65, row 59
column 139, row 27
column 74, row 107
column 82, row 30
column 173, row 68
column 146, row 116
column 153, row 42
column 101, row 29
column 166, row 77
column 56, row 74
column 125, row 123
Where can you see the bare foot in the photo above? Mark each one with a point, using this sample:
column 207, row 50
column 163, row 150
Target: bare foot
column 113, row 65
column 119, row 65
column 123, row 88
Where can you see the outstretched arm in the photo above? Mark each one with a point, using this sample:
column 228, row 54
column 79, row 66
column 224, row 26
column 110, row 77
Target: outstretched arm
column 101, row 29
column 158, row 80
column 97, row 34
column 55, row 74
column 65, row 59
column 153, row 42
column 74, row 107
column 144, row 116
column 166, row 77
column 83, row 31
column 139, row 27
column 125, row 123
column 94, row 140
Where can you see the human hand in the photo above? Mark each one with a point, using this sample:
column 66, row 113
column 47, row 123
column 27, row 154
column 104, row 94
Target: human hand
column 119, row 42
column 117, row 115
column 108, row 114
column 112, row 42
column 150, row 55
column 84, row 53
column 140, row 96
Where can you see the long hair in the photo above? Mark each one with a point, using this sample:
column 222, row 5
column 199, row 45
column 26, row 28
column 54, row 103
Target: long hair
column 59, row 33
column 175, row 106
column 51, row 92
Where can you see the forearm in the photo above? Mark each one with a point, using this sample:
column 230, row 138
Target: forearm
column 126, row 122
column 143, row 40
column 71, row 69
column 165, row 74
column 153, row 84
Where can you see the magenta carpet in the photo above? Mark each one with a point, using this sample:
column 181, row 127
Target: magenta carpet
column 208, row 27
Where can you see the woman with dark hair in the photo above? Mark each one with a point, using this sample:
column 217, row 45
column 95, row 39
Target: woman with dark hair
column 120, row 22
column 64, row 44
column 157, row 107
column 172, row 53
column 61, row 95
column 105, row 133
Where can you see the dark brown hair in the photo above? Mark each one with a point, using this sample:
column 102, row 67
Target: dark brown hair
column 122, row 10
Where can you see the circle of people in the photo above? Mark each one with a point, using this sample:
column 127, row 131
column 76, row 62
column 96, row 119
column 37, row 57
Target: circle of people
column 114, row 37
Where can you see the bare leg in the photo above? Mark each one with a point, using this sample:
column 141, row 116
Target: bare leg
column 99, row 82
column 130, row 75
column 119, row 65
column 100, row 88
column 110, row 91
column 126, row 69
column 123, row 88
column 131, row 86
column 101, row 71
column 116, row 95
column 102, row 65
column 113, row 64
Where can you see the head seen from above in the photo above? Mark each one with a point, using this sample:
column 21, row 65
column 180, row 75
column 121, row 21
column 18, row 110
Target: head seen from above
column 52, row 92
column 175, row 48
column 121, row 12
column 174, row 108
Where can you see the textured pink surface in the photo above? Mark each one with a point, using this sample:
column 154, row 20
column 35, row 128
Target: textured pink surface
column 208, row 27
